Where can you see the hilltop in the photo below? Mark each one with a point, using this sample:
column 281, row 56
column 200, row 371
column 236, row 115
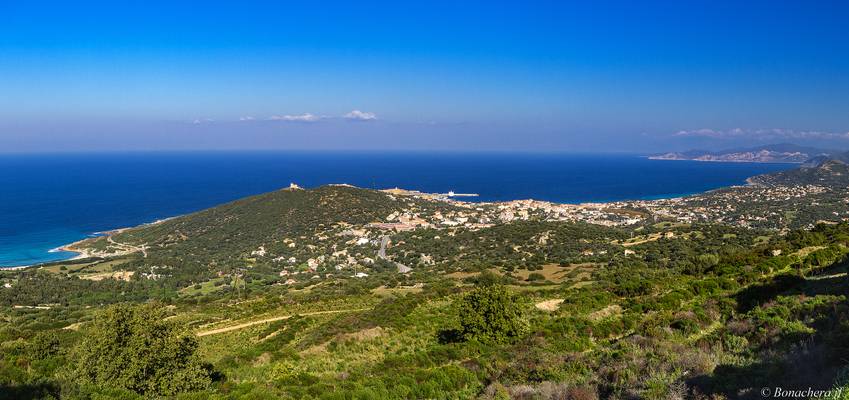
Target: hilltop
column 276, row 222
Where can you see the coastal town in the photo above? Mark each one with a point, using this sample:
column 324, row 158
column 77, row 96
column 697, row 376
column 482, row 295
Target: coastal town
column 754, row 206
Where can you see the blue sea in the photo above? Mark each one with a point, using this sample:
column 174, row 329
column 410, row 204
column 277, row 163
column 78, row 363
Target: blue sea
column 48, row 200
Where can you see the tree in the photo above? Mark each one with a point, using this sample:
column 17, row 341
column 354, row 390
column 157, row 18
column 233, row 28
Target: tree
column 536, row 276
column 134, row 348
column 491, row 314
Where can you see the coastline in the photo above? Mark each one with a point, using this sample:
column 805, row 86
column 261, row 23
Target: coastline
column 83, row 253
column 68, row 248
column 16, row 268
column 37, row 256
column 657, row 158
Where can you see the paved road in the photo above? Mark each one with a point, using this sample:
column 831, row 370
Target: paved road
column 384, row 241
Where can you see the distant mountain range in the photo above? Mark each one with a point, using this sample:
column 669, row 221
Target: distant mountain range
column 775, row 153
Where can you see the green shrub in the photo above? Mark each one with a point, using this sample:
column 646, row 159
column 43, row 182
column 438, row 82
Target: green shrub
column 491, row 314
column 45, row 344
column 133, row 348
column 533, row 277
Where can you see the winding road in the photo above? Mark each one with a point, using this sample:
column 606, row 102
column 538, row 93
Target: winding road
column 381, row 254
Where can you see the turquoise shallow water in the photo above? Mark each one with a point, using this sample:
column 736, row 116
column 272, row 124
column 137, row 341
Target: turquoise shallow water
column 49, row 200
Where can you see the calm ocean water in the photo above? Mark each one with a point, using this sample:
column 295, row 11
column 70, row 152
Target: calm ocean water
column 50, row 200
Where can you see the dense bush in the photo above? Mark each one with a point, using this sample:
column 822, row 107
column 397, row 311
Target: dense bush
column 132, row 347
column 491, row 314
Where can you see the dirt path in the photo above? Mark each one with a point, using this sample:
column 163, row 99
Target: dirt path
column 280, row 318
column 821, row 277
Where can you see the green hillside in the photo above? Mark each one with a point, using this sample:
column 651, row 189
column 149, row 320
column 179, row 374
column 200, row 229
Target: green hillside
column 301, row 294
column 831, row 173
column 236, row 229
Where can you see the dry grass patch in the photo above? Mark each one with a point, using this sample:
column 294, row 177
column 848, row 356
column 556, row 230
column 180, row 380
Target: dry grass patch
column 119, row 275
column 263, row 359
column 315, row 350
column 613, row 309
column 73, row 327
column 558, row 274
column 549, row 305
column 803, row 252
column 365, row 334
column 551, row 272
column 639, row 239
column 460, row 275
column 385, row 291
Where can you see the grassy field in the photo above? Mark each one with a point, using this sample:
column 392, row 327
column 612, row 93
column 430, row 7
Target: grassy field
column 98, row 266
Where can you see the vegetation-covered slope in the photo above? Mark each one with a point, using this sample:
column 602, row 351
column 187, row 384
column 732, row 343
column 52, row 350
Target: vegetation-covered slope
column 726, row 322
column 300, row 294
column 831, row 173
column 236, row 229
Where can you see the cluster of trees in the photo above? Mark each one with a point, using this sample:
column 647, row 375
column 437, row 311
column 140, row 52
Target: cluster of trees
column 520, row 244
column 127, row 350
column 135, row 348
column 34, row 287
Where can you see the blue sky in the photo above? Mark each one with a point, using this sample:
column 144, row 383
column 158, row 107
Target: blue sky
column 549, row 76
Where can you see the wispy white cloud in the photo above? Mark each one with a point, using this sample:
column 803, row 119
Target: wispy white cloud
column 358, row 115
column 355, row 115
column 306, row 117
column 761, row 134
